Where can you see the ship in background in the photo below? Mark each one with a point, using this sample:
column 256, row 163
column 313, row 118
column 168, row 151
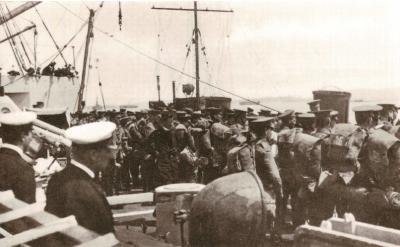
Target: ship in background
column 47, row 91
column 28, row 88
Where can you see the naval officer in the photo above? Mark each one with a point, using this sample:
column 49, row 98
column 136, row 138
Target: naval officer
column 73, row 190
column 16, row 172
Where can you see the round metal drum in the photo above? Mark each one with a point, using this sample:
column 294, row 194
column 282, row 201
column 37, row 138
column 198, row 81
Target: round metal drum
column 231, row 211
column 170, row 198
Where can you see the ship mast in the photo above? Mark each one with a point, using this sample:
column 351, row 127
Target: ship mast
column 85, row 58
column 196, row 42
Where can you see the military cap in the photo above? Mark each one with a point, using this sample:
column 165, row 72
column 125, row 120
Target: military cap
column 261, row 122
column 389, row 106
column 334, row 113
column 265, row 113
column 306, row 116
column 184, row 116
column 180, row 113
column 367, row 108
column 196, row 113
column 286, row 114
column 166, row 114
column 322, row 113
column 90, row 133
column 213, row 110
column 188, row 110
column 17, row 118
column 314, row 102
column 229, row 112
column 252, row 118
column 154, row 111
column 239, row 111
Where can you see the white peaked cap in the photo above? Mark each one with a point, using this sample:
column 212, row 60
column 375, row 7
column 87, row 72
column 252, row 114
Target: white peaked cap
column 17, row 118
column 90, row 133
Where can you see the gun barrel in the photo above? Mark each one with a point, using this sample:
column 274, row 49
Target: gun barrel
column 51, row 137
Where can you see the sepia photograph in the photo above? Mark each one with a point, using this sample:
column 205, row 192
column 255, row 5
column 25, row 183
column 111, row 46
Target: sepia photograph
column 200, row 123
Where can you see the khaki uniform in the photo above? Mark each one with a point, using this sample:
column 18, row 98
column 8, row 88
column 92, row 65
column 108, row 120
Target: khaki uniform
column 287, row 167
column 322, row 133
column 268, row 172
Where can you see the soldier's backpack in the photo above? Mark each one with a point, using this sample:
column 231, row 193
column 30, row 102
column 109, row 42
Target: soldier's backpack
column 286, row 139
column 233, row 164
column 335, row 147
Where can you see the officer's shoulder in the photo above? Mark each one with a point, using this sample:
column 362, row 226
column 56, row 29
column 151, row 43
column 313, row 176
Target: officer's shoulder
column 76, row 187
column 263, row 143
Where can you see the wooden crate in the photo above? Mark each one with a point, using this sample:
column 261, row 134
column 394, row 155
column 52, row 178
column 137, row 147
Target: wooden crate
column 29, row 225
column 346, row 233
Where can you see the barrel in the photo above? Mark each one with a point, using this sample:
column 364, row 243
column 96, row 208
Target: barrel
column 231, row 211
column 335, row 100
column 168, row 199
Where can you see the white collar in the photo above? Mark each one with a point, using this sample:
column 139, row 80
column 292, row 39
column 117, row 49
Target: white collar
column 18, row 150
column 83, row 167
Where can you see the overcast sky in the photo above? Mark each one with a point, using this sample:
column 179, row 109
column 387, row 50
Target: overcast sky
column 264, row 48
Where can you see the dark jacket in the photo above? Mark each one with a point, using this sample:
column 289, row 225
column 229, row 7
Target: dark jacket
column 161, row 145
column 73, row 192
column 160, row 141
column 17, row 175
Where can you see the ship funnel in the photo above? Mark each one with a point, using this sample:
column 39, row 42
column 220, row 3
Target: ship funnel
column 335, row 100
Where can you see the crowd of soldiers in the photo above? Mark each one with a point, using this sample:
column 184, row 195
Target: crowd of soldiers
column 309, row 180
column 50, row 70
column 67, row 71
column 164, row 146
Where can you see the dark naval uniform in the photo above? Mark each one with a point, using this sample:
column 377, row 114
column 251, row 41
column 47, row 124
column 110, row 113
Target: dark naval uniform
column 16, row 174
column 73, row 192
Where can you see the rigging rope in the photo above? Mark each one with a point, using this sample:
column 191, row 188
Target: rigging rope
column 51, row 36
column 100, row 84
column 57, row 53
column 89, row 67
column 17, row 30
column 70, row 40
column 120, row 16
column 203, row 51
column 167, row 65
column 188, row 45
column 11, row 41
column 35, row 47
